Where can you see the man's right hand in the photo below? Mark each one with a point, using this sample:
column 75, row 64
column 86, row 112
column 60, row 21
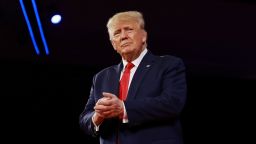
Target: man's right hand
column 97, row 119
column 109, row 106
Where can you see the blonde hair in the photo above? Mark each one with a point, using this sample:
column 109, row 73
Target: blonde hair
column 126, row 16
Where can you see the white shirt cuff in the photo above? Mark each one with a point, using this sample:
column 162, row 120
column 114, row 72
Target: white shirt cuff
column 96, row 127
column 125, row 117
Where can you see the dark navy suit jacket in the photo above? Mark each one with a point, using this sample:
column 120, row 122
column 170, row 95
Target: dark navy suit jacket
column 155, row 99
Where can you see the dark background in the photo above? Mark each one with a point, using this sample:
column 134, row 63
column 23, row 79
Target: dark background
column 42, row 95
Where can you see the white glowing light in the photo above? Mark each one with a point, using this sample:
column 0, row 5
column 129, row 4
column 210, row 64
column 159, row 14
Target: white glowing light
column 56, row 19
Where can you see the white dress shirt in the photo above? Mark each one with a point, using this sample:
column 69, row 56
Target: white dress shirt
column 136, row 63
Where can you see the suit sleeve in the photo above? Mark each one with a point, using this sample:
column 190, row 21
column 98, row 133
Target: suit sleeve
column 85, row 119
column 167, row 104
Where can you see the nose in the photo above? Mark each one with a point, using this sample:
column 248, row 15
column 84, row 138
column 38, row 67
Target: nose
column 123, row 35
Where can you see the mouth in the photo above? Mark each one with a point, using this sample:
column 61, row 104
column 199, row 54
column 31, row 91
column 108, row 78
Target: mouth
column 125, row 44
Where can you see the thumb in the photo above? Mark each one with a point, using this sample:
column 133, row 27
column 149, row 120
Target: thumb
column 108, row 95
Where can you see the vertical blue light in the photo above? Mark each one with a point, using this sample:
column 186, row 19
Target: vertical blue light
column 40, row 27
column 29, row 27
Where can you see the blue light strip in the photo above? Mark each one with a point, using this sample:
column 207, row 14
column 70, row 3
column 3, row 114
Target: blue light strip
column 40, row 27
column 29, row 27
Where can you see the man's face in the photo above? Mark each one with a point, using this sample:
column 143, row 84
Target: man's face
column 127, row 38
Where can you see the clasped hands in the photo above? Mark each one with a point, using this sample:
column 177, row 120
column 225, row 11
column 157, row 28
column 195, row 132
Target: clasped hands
column 108, row 106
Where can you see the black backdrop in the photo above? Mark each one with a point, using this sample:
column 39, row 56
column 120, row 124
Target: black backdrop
column 42, row 96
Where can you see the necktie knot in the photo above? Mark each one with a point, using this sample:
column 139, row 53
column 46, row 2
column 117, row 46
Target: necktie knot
column 129, row 66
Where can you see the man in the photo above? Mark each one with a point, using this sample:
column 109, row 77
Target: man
column 139, row 100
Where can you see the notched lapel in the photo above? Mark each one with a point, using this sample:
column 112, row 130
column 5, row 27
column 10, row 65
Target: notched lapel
column 140, row 73
column 114, row 79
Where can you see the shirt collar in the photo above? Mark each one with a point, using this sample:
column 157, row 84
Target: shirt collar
column 137, row 61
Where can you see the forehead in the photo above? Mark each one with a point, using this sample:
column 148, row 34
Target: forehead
column 123, row 24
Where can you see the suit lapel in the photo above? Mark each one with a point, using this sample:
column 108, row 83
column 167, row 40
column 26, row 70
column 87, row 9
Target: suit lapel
column 114, row 79
column 140, row 73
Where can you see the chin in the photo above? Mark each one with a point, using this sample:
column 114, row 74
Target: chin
column 125, row 52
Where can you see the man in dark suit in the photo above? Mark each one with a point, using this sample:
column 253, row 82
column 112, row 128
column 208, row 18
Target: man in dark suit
column 140, row 104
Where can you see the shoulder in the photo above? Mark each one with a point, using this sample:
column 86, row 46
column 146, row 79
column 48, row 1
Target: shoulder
column 107, row 70
column 170, row 59
column 169, row 63
column 165, row 61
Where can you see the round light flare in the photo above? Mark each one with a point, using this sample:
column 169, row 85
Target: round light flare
column 56, row 19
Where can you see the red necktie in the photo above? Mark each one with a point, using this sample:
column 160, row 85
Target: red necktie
column 124, row 82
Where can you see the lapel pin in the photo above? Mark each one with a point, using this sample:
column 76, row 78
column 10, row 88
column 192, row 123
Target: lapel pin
column 147, row 66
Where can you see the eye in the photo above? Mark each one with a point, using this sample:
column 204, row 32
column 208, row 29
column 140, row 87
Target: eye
column 129, row 29
column 116, row 33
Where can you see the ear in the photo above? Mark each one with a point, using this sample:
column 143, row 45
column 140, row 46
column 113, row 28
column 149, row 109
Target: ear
column 145, row 35
column 144, row 39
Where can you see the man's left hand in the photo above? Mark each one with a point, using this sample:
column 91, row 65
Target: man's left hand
column 109, row 106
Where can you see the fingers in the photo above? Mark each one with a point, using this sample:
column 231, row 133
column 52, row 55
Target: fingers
column 108, row 106
column 97, row 119
column 111, row 97
column 104, row 101
column 102, row 107
column 108, row 99
column 106, row 113
column 109, row 114
column 108, row 95
column 105, row 108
